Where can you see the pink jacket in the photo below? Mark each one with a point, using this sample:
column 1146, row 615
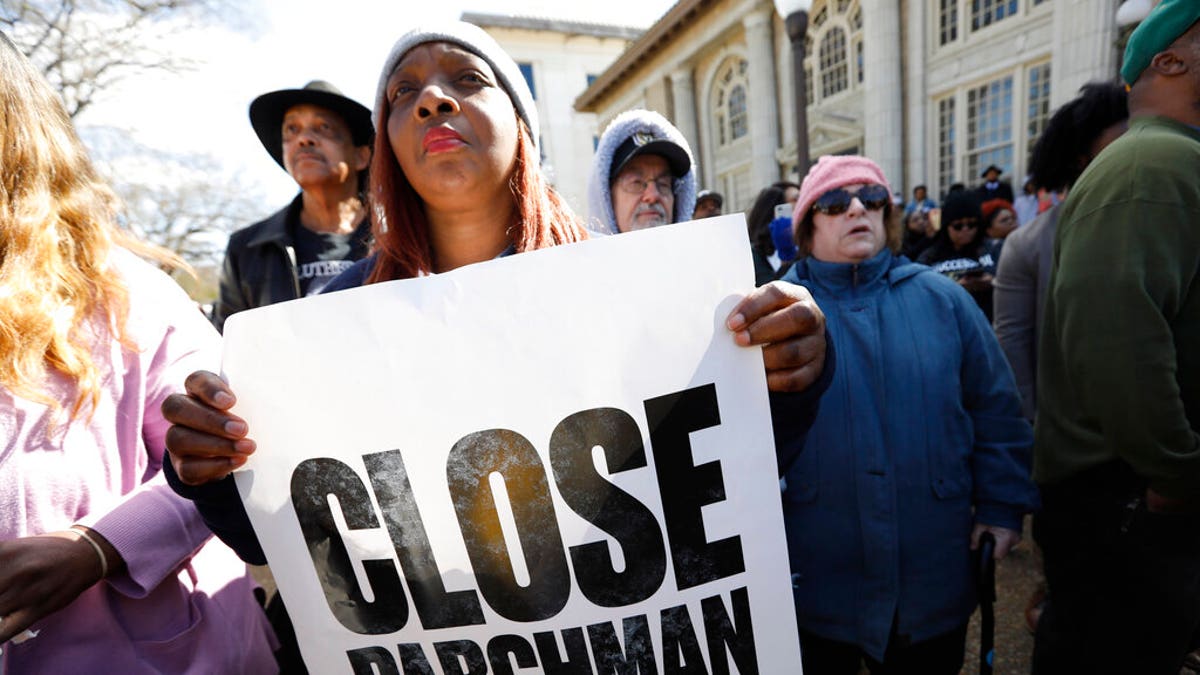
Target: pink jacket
column 185, row 603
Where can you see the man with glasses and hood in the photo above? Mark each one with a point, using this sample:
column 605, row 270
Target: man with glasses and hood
column 642, row 175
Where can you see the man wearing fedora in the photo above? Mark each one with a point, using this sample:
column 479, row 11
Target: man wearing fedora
column 323, row 140
column 1117, row 445
column 993, row 187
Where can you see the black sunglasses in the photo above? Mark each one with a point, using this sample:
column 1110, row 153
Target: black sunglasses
column 836, row 202
column 964, row 223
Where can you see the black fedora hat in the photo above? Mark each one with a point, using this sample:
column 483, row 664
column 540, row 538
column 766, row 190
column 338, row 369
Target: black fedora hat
column 267, row 111
column 991, row 167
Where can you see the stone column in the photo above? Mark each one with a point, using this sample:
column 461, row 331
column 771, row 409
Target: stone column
column 1083, row 48
column 683, row 95
column 917, row 149
column 883, row 113
column 762, row 99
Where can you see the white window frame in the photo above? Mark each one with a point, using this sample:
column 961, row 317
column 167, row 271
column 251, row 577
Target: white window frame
column 826, row 18
column 997, row 141
column 947, row 21
column 983, row 14
column 946, row 158
column 731, row 74
column 953, row 21
column 1037, row 102
column 736, row 116
column 955, row 160
column 834, row 72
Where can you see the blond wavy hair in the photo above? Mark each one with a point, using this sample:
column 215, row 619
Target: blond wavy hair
column 58, row 297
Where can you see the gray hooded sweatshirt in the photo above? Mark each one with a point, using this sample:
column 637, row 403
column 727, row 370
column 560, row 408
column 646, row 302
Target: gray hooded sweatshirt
column 601, row 217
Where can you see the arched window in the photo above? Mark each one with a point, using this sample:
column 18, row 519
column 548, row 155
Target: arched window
column 729, row 101
column 835, row 35
column 834, row 68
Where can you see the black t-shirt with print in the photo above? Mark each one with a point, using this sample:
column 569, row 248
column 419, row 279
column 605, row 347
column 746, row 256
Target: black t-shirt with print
column 321, row 256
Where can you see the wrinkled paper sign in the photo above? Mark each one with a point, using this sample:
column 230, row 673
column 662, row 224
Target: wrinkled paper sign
column 557, row 461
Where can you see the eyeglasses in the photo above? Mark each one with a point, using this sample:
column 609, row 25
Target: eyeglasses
column 636, row 185
column 964, row 223
column 836, row 202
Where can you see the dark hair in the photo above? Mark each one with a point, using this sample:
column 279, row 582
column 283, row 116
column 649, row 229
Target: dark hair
column 941, row 248
column 957, row 206
column 758, row 219
column 961, row 204
column 922, row 188
column 1061, row 152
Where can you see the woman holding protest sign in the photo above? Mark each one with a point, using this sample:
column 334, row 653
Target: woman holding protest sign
column 456, row 180
column 102, row 566
column 920, row 446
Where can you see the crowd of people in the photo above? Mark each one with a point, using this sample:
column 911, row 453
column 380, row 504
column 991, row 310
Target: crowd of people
column 938, row 370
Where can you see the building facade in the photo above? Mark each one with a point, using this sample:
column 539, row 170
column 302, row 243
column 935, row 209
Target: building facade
column 559, row 59
column 933, row 90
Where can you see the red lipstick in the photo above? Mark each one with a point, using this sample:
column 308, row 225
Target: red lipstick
column 441, row 139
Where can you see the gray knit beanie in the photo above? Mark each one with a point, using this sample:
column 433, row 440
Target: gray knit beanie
column 473, row 39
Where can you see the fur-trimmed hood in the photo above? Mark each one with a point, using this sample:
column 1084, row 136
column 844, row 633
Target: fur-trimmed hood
column 601, row 217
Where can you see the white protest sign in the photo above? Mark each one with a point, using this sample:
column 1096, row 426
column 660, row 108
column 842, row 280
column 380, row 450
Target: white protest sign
column 554, row 462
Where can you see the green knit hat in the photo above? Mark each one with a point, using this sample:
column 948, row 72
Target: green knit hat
column 1165, row 23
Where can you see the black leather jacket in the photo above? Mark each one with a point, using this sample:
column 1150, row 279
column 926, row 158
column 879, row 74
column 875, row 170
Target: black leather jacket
column 260, row 264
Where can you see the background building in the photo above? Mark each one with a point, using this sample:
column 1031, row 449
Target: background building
column 933, row 90
column 559, row 60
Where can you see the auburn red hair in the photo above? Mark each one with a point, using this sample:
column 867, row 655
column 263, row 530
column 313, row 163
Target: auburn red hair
column 993, row 206
column 402, row 245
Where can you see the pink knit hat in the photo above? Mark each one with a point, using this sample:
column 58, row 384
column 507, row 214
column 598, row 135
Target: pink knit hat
column 831, row 172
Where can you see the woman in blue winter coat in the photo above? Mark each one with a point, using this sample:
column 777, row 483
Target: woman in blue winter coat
column 919, row 446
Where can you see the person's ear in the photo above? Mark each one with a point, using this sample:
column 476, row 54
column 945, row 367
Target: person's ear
column 362, row 157
column 1168, row 63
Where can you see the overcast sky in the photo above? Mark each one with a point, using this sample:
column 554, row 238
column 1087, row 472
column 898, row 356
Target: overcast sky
column 205, row 110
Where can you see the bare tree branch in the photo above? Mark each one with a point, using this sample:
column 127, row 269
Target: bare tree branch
column 86, row 46
column 184, row 202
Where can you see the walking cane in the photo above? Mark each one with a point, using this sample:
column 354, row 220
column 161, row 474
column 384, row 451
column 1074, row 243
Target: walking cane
column 986, row 587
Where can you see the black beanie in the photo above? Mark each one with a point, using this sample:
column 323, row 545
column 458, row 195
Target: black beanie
column 961, row 204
